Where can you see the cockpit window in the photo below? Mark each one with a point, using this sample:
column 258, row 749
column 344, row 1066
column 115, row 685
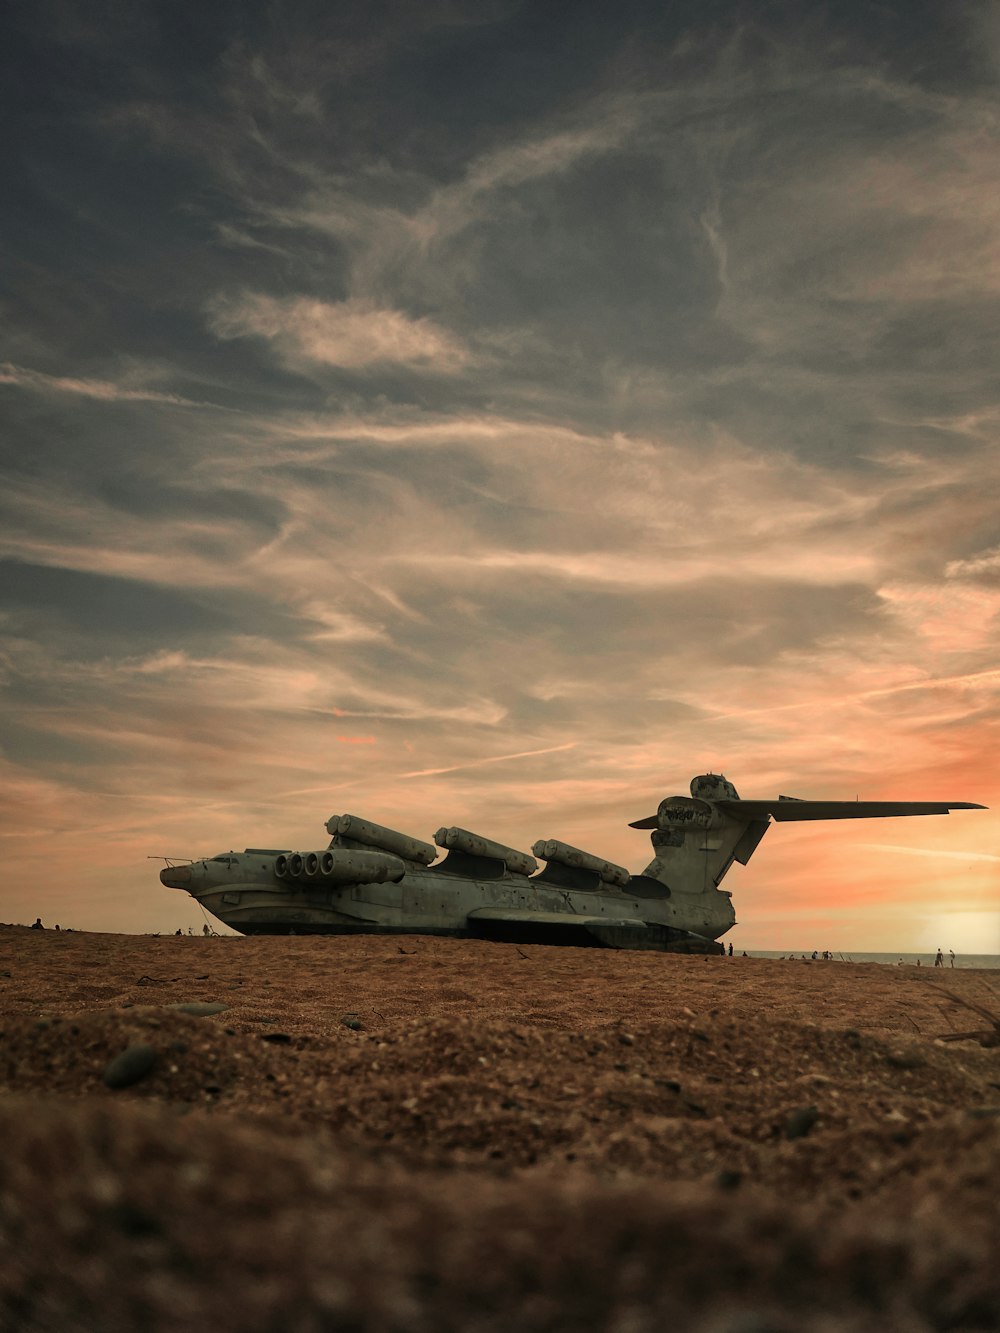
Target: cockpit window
column 224, row 859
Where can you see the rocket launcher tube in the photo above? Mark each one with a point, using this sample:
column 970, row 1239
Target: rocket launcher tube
column 461, row 840
column 553, row 850
column 384, row 839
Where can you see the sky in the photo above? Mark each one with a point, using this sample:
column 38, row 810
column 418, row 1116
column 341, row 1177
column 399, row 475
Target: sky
column 496, row 414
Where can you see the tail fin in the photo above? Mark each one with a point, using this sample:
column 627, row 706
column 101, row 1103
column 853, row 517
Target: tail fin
column 695, row 843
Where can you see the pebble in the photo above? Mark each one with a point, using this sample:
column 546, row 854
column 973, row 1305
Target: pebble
column 132, row 1065
column 906, row 1059
column 800, row 1122
column 200, row 1008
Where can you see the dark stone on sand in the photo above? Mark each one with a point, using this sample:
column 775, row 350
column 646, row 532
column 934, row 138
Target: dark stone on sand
column 134, row 1221
column 354, row 1024
column 276, row 1038
column 800, row 1122
column 200, row 1008
column 729, row 1180
column 131, row 1066
column 906, row 1059
column 983, row 1112
column 670, row 1084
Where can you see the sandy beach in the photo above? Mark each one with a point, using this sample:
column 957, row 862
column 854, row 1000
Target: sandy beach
column 409, row 1134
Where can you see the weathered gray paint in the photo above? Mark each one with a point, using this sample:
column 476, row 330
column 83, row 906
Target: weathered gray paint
column 484, row 888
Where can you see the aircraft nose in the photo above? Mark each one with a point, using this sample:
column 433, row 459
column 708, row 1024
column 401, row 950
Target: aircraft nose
column 176, row 877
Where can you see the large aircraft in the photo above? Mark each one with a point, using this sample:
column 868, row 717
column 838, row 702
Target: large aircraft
column 374, row 880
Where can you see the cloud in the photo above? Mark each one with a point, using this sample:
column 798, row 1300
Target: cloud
column 642, row 421
column 984, row 564
column 491, row 759
column 105, row 391
column 355, row 334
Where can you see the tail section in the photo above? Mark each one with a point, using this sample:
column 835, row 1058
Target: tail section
column 695, row 842
column 696, row 839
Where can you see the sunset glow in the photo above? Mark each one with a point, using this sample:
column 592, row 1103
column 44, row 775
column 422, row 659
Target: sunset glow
column 470, row 418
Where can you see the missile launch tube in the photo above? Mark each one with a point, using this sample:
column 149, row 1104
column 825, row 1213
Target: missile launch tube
column 461, row 840
column 384, row 839
column 550, row 849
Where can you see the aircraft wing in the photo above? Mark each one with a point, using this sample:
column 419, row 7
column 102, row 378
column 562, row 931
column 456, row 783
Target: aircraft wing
column 789, row 809
column 525, row 917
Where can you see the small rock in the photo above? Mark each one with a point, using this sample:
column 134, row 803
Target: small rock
column 277, row 1038
column 354, row 1024
column 800, row 1122
column 200, row 1008
column 983, row 1112
column 729, row 1179
column 906, row 1059
column 131, row 1066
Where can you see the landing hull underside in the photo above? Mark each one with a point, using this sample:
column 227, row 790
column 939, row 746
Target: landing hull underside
column 653, row 938
column 289, row 917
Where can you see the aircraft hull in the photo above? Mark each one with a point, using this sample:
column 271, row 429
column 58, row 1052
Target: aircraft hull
column 512, row 909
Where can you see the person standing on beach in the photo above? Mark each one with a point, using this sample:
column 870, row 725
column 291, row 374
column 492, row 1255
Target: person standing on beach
column 939, row 959
column 951, row 957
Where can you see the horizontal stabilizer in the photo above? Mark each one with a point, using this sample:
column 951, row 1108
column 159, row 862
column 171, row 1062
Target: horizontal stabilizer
column 792, row 811
column 788, row 809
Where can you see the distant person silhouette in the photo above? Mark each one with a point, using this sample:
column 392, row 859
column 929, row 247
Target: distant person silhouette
column 730, row 951
column 205, row 930
column 939, row 959
column 951, row 957
column 37, row 924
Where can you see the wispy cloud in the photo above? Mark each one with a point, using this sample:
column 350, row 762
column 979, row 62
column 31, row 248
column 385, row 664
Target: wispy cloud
column 491, row 759
column 105, row 391
column 354, row 333
column 641, row 420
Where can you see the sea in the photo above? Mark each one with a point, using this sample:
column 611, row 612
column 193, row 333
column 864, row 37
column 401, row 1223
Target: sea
column 962, row 960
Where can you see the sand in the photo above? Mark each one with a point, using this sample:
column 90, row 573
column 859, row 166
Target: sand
column 419, row 1134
